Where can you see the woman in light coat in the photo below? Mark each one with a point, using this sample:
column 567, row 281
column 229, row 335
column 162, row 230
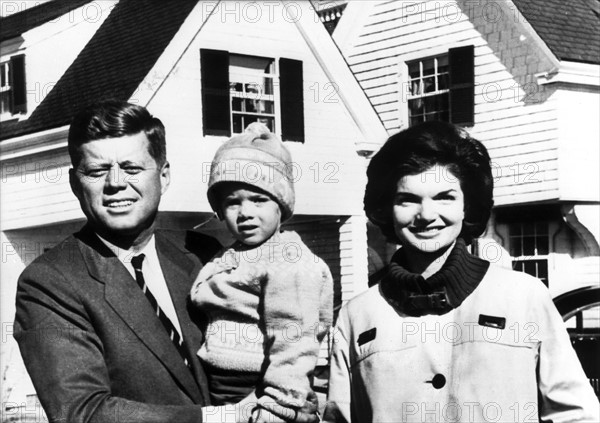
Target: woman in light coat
column 444, row 336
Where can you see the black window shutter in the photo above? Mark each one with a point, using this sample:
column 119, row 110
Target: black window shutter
column 17, row 68
column 292, row 100
column 214, row 72
column 461, row 62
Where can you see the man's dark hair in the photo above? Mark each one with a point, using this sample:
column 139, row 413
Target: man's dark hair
column 113, row 119
column 416, row 150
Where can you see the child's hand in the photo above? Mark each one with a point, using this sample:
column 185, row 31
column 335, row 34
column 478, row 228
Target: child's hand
column 308, row 413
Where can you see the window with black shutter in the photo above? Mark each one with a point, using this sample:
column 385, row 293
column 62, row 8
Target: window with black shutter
column 462, row 85
column 292, row 100
column 214, row 73
column 238, row 90
column 442, row 88
column 13, row 90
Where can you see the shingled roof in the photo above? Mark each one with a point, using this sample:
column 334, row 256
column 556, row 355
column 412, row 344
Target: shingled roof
column 113, row 63
column 14, row 25
column 569, row 28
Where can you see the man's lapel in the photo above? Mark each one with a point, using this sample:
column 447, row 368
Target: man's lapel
column 180, row 271
column 126, row 298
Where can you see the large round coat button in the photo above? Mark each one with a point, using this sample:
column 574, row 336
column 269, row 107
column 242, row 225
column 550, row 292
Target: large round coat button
column 438, row 381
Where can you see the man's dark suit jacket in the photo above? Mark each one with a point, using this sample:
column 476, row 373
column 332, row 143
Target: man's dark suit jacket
column 91, row 343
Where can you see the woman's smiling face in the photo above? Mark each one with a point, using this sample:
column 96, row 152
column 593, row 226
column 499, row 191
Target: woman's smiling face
column 428, row 210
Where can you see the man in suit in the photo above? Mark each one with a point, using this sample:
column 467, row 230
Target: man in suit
column 98, row 347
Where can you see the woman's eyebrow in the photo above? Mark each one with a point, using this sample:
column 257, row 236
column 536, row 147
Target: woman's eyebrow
column 448, row 191
column 405, row 194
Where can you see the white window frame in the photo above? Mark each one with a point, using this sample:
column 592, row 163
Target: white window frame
column 536, row 256
column 274, row 97
column 437, row 91
column 7, row 87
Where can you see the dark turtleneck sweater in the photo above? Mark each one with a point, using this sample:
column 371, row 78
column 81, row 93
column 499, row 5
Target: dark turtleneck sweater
column 446, row 289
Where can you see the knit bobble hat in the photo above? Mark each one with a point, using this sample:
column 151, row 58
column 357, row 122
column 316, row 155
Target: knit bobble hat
column 257, row 158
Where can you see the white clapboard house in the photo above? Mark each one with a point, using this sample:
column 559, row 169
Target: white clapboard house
column 523, row 76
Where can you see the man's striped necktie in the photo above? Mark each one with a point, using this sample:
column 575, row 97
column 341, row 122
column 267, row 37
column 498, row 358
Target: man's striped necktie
column 136, row 262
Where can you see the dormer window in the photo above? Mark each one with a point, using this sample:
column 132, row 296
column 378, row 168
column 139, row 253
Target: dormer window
column 240, row 89
column 13, row 94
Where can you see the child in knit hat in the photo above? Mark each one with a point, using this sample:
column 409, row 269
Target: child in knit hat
column 268, row 300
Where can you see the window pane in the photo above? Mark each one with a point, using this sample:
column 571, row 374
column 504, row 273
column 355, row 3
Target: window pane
column 428, row 67
column 235, row 86
column 443, row 116
column 442, row 102
column 4, row 74
column 436, row 103
column 591, row 317
column 248, row 119
column 429, row 103
column 443, row 82
column 415, row 87
column 429, row 84
column 528, row 246
column 542, row 245
column 254, row 89
column 236, row 104
column 268, row 86
column 269, row 121
column 530, row 267
column 267, row 107
column 237, row 122
column 514, row 230
column 528, row 228
column 250, row 64
column 541, row 228
column 542, row 269
column 414, row 70
column 515, row 247
column 415, row 107
column 518, row 266
column 251, row 105
column 415, row 120
column 5, row 102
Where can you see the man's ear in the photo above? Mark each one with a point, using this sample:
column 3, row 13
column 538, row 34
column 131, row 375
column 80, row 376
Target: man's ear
column 165, row 177
column 74, row 183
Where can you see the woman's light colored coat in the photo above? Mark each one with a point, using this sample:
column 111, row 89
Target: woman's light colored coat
column 489, row 360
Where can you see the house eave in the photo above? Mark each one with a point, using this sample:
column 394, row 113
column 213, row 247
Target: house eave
column 31, row 144
column 582, row 74
column 331, row 60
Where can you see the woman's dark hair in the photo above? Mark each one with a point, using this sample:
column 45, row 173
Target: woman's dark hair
column 113, row 119
column 416, row 150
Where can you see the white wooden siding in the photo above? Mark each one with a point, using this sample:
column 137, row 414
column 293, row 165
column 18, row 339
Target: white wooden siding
column 516, row 118
column 331, row 175
column 36, row 191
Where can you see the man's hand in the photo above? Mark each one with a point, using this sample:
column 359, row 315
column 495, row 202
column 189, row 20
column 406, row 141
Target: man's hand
column 230, row 413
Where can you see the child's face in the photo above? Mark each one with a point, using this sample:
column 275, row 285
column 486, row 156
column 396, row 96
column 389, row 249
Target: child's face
column 251, row 215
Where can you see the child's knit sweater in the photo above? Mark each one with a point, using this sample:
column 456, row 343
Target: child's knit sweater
column 268, row 309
